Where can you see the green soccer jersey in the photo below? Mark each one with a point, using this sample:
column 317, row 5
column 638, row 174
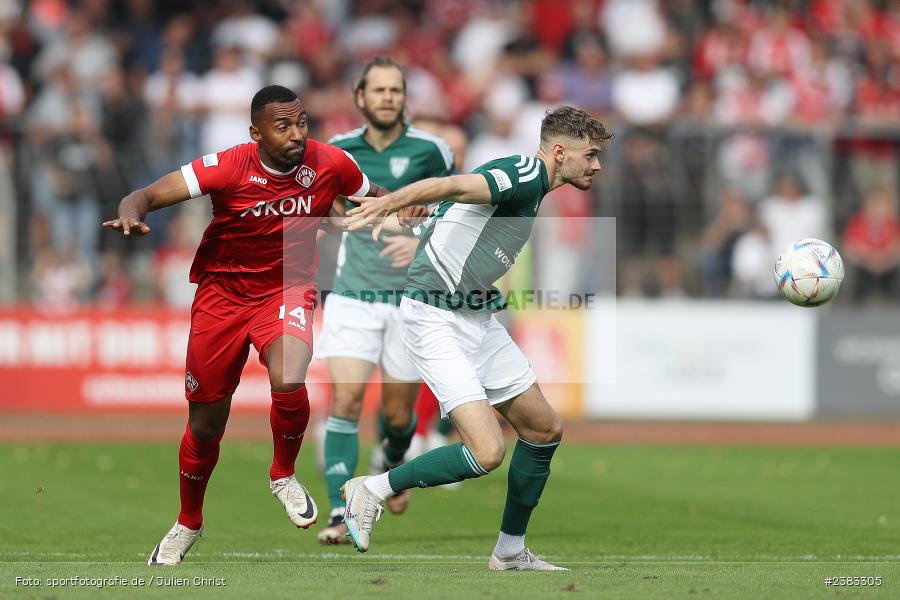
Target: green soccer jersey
column 361, row 271
column 465, row 248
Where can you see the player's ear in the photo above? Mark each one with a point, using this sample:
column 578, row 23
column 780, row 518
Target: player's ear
column 559, row 152
column 254, row 133
column 358, row 96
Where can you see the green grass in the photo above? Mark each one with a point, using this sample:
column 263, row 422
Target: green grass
column 630, row 522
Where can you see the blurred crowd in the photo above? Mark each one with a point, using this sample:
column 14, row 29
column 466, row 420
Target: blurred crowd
column 741, row 125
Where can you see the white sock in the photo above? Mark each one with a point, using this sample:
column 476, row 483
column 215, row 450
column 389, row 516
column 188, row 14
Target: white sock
column 379, row 485
column 509, row 545
column 336, row 512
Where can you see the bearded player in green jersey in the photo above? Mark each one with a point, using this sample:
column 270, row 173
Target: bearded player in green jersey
column 362, row 324
column 458, row 346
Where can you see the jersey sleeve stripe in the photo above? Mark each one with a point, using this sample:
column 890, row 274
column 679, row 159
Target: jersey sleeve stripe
column 523, row 159
column 534, row 173
column 350, row 156
column 529, row 165
column 446, row 152
column 190, row 178
column 364, row 188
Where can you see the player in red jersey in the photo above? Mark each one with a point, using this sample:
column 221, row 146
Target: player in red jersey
column 256, row 270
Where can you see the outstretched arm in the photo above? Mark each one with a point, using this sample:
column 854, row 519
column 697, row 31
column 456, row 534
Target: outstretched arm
column 467, row 189
column 167, row 190
column 337, row 221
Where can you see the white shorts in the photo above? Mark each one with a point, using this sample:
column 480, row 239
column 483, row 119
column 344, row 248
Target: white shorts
column 371, row 331
column 463, row 356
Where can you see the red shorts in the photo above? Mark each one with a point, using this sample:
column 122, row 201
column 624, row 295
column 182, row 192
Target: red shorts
column 222, row 330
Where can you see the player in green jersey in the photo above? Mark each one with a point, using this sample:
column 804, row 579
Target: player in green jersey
column 362, row 323
column 459, row 348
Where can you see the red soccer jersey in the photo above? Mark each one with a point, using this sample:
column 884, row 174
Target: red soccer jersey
column 262, row 237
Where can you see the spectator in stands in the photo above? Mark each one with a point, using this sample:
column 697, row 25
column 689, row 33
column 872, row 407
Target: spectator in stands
column 769, row 84
column 88, row 52
column 172, row 264
column 226, row 92
column 586, row 80
column 115, row 287
column 60, row 280
column 872, row 247
column 752, row 262
column 789, row 214
column 733, row 219
column 172, row 96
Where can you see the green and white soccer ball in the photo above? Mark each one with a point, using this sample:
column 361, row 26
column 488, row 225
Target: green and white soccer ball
column 809, row 272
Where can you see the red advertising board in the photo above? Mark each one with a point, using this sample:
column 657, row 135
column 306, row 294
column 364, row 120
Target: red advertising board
column 133, row 359
column 99, row 360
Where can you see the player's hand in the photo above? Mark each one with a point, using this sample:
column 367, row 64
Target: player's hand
column 128, row 225
column 371, row 212
column 412, row 216
column 402, row 248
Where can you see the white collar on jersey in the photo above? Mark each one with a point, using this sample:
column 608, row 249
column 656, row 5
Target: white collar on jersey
column 273, row 171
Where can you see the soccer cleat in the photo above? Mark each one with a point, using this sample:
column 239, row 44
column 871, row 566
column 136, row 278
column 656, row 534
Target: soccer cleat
column 336, row 532
column 362, row 510
column 298, row 504
column 173, row 547
column 523, row 561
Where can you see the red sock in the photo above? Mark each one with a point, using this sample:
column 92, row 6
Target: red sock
column 289, row 417
column 196, row 461
column 426, row 406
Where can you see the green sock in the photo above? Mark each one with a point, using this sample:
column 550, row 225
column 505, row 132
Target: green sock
column 383, row 429
column 341, row 456
column 447, row 464
column 444, row 426
column 398, row 442
column 529, row 469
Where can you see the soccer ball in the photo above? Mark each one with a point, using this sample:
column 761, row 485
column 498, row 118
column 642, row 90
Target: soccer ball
column 809, row 272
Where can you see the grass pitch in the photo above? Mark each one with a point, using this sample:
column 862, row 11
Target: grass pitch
column 629, row 521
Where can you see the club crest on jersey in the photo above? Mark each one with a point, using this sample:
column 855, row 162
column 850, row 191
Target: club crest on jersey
column 305, row 176
column 398, row 165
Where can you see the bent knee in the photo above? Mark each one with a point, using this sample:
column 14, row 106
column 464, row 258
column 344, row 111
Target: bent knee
column 207, row 429
column 551, row 432
column 398, row 418
column 346, row 402
column 490, row 455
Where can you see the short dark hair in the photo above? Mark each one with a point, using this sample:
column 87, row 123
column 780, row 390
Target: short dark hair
column 378, row 61
column 267, row 95
column 574, row 123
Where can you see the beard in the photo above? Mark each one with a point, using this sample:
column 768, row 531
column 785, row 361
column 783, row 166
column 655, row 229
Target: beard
column 291, row 160
column 381, row 124
column 583, row 183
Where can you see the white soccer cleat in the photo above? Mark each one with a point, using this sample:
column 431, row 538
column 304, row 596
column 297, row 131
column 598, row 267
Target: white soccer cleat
column 173, row 547
column 362, row 510
column 298, row 504
column 523, row 561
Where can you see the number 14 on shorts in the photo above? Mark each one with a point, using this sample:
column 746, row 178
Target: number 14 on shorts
column 298, row 316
